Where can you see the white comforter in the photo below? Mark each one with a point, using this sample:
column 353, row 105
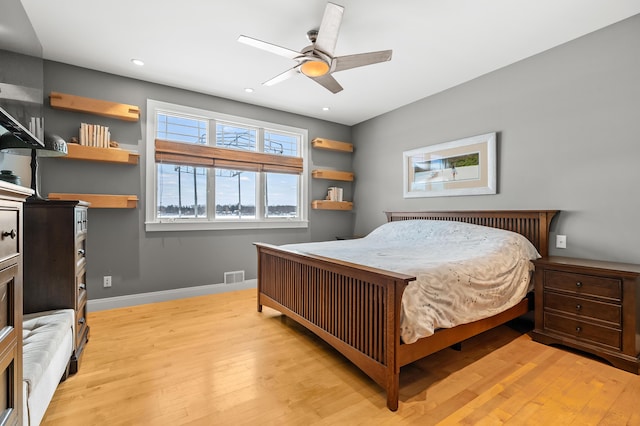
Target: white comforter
column 463, row 272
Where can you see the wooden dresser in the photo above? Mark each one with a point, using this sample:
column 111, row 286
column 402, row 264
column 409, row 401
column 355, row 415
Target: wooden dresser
column 11, row 262
column 55, row 263
column 589, row 305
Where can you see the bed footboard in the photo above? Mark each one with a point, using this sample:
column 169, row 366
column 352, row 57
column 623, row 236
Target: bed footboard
column 355, row 309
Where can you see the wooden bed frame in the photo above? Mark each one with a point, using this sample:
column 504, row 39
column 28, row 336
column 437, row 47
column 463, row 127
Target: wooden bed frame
column 356, row 309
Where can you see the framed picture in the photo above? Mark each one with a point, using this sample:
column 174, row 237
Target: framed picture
column 463, row 167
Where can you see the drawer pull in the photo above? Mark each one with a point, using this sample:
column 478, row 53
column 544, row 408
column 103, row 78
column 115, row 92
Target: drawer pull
column 81, row 321
column 578, row 284
column 578, row 307
column 578, row 329
column 11, row 234
column 81, row 252
column 82, row 286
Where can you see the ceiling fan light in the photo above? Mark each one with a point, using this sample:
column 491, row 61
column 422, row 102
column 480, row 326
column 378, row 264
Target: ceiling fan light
column 314, row 68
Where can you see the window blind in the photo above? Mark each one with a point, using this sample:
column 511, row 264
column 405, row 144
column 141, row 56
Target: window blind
column 209, row 156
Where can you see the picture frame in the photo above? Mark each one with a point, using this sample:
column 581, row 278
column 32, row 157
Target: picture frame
column 461, row 167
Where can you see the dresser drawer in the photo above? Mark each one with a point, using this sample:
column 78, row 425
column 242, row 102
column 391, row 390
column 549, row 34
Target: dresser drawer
column 81, row 288
column 586, row 285
column 6, row 321
column 8, row 233
column 81, row 220
column 81, row 323
column 602, row 311
column 10, row 386
column 7, row 303
column 81, row 252
column 584, row 331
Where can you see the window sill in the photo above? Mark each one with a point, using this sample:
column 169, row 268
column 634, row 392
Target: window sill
column 223, row 225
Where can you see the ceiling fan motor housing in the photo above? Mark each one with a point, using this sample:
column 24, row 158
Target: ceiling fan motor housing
column 314, row 62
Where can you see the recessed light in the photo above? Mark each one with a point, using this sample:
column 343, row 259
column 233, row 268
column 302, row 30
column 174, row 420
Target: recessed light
column 248, row 89
column 325, row 108
column 138, row 62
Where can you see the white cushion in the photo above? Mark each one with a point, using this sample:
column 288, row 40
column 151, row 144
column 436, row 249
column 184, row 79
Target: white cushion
column 42, row 333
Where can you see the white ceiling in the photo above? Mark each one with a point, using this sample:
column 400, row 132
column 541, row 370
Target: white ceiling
column 192, row 44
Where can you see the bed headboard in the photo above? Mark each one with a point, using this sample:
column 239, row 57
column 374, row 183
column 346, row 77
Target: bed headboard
column 533, row 224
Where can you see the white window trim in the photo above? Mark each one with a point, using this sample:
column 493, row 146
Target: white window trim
column 154, row 224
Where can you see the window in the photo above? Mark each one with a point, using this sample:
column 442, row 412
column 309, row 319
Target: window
column 207, row 170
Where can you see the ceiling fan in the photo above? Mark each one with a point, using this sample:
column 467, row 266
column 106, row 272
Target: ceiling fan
column 316, row 61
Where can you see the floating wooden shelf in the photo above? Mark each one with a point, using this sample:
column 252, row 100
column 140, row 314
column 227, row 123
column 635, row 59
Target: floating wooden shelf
column 105, row 155
column 331, row 145
column 94, row 106
column 331, row 205
column 100, row 201
column 332, row 175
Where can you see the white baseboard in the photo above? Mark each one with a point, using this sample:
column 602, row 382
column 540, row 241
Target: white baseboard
column 162, row 296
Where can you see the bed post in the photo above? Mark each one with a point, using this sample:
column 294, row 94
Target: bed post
column 545, row 218
column 393, row 344
column 259, row 278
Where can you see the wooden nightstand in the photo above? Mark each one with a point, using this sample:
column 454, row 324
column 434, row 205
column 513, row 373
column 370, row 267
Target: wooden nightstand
column 589, row 305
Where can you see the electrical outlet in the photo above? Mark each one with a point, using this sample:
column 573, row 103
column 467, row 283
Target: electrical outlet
column 106, row 281
column 561, row 241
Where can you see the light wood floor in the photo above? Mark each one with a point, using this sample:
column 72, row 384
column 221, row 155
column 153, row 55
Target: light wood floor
column 214, row 360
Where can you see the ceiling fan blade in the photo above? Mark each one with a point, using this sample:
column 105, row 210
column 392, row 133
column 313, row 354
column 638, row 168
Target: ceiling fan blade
column 282, row 77
column 329, row 28
column 282, row 51
column 328, row 82
column 352, row 61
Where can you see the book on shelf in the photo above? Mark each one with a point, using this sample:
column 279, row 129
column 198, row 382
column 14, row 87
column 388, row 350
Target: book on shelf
column 94, row 135
column 36, row 127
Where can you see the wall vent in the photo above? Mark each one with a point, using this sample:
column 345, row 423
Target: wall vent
column 233, row 277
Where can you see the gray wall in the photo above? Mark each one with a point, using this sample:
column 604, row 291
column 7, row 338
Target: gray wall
column 20, row 64
column 568, row 139
column 568, row 121
column 118, row 245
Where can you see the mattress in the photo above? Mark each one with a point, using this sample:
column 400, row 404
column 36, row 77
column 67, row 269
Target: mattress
column 464, row 272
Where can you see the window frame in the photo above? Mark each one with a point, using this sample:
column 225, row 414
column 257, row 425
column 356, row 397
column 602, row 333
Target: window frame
column 153, row 223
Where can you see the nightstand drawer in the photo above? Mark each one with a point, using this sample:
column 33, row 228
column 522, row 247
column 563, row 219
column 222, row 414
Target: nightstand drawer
column 586, row 285
column 581, row 330
column 607, row 312
column 8, row 233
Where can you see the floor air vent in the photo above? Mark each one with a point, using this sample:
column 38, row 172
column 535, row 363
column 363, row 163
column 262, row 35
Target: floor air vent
column 233, row 277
